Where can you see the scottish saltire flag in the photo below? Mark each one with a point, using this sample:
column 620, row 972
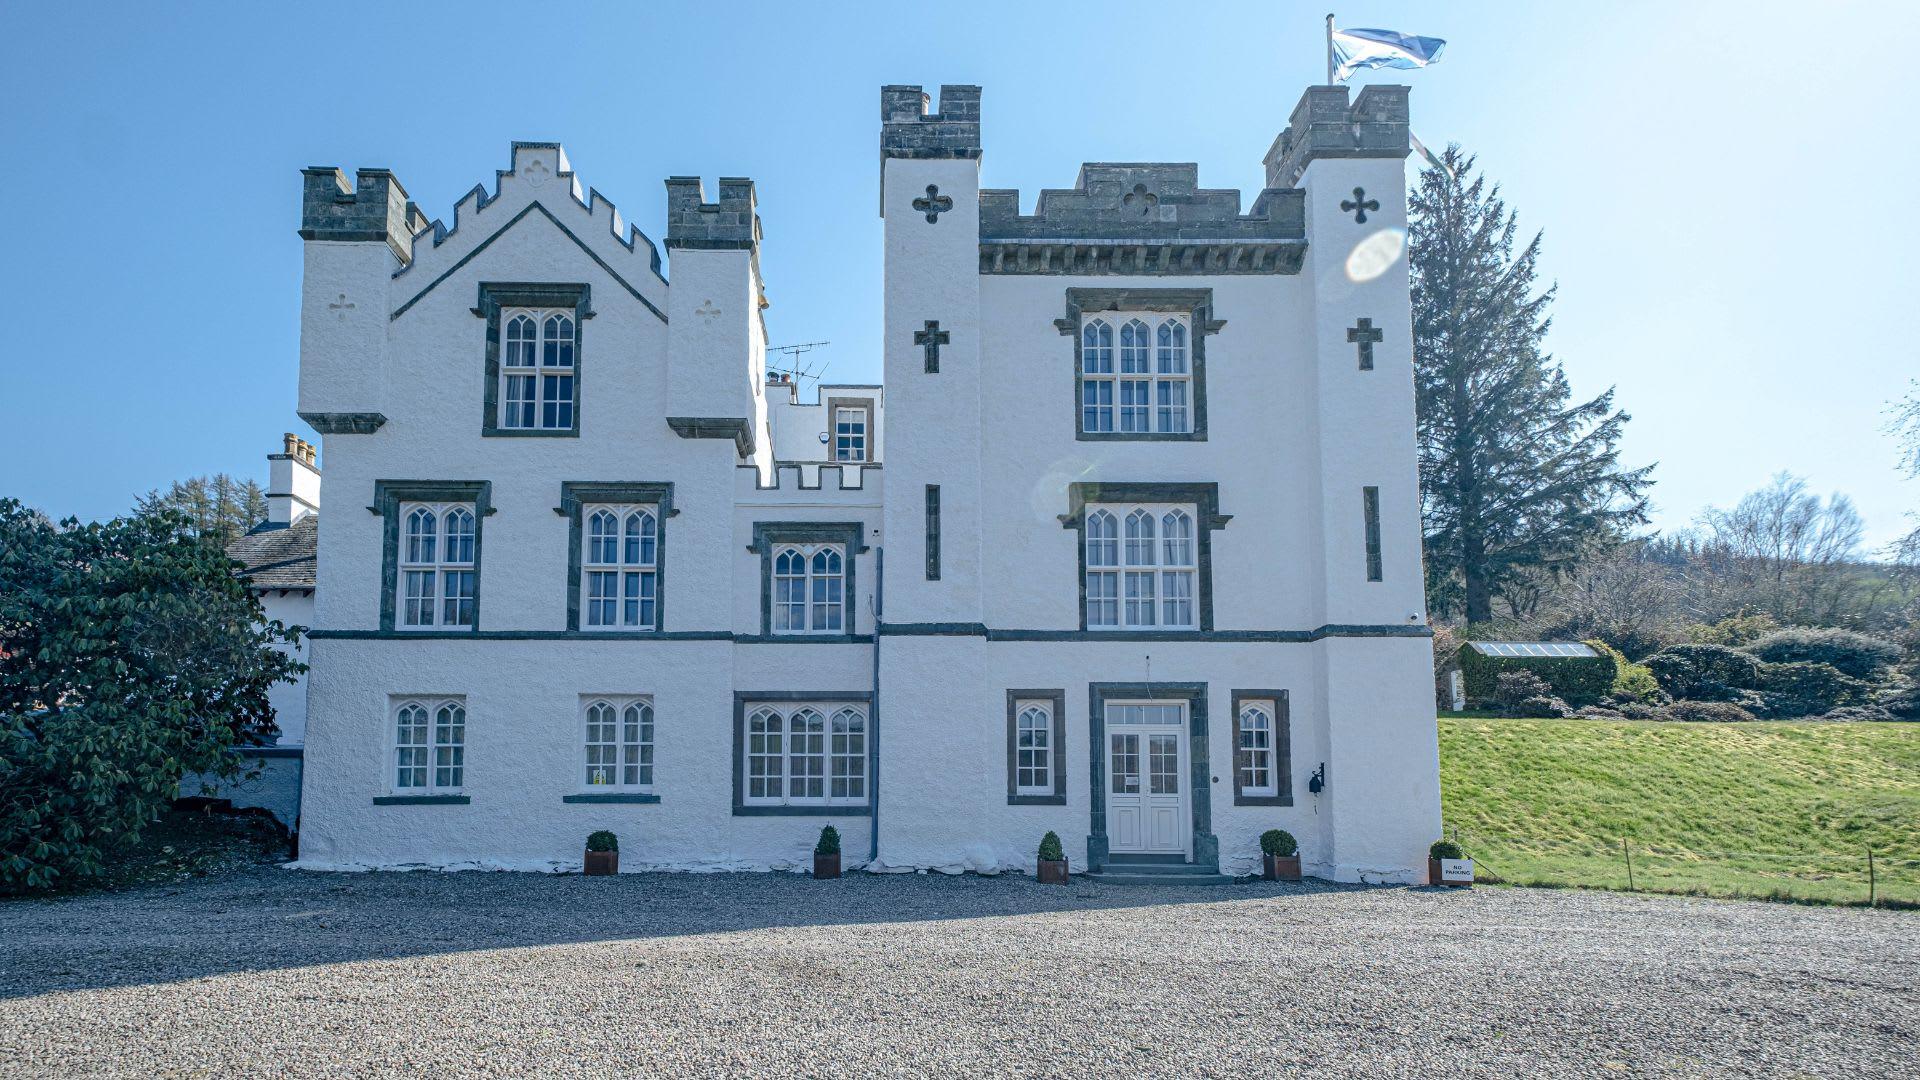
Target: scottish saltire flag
column 1356, row 48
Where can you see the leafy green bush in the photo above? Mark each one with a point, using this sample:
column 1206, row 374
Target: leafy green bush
column 829, row 843
column 1707, row 712
column 1050, row 850
column 1445, row 849
column 1631, row 681
column 133, row 656
column 1511, row 688
column 1579, row 679
column 602, row 841
column 1851, row 653
column 1278, row 842
column 1806, row 687
column 1703, row 672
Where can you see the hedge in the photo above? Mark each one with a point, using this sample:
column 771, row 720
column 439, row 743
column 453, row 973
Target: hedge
column 1579, row 680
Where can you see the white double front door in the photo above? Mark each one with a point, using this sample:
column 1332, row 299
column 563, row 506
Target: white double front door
column 1147, row 794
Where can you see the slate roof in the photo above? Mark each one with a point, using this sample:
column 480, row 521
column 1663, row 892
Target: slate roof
column 279, row 557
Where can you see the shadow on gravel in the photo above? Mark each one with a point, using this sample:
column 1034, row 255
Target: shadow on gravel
column 267, row 918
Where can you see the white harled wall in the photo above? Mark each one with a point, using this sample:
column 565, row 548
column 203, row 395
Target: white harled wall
column 1295, row 431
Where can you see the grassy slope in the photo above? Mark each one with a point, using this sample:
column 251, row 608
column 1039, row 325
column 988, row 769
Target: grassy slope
column 1766, row 809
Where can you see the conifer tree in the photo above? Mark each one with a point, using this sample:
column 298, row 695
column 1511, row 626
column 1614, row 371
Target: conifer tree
column 1514, row 479
column 218, row 507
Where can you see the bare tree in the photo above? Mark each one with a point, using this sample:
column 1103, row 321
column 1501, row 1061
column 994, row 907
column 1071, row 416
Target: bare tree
column 1790, row 549
column 1904, row 425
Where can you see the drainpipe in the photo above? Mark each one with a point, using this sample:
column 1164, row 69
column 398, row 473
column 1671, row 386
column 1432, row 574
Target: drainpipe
column 873, row 711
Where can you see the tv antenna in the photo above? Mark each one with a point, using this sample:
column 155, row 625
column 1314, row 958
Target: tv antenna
column 797, row 367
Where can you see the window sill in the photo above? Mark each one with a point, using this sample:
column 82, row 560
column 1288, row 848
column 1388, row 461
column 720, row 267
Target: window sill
column 861, row 810
column 1036, row 800
column 1141, row 436
column 421, row 800
column 612, row 797
column 1262, row 800
column 529, row 433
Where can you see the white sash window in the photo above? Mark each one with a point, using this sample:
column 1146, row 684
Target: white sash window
column 1148, row 390
column 805, row 754
column 438, row 578
column 1147, row 582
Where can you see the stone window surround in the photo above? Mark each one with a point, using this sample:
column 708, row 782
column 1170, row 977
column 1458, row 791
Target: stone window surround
column 1282, row 748
column 1206, row 846
column 578, row 494
column 387, row 497
column 1205, row 500
column 743, row 699
column 494, row 296
column 864, row 404
column 769, row 535
column 431, row 795
column 613, row 793
column 1196, row 304
column 1057, row 701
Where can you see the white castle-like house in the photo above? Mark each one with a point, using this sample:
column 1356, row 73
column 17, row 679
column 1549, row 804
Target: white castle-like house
column 1126, row 548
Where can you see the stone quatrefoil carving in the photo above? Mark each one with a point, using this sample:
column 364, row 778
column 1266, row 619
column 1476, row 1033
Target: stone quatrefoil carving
column 707, row 311
column 342, row 305
column 1359, row 205
column 934, row 204
column 1142, row 199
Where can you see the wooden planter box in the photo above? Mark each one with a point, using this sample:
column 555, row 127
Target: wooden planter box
column 1053, row 871
column 601, row 863
column 1435, row 877
column 1281, row 867
column 826, row 866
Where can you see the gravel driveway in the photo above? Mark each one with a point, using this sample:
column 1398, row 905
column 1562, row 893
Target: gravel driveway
column 270, row 971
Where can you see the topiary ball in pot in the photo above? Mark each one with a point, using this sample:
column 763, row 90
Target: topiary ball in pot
column 603, row 854
column 1439, row 852
column 1053, row 860
column 826, row 854
column 1279, row 856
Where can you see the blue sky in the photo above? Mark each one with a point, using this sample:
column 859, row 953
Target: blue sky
column 1725, row 190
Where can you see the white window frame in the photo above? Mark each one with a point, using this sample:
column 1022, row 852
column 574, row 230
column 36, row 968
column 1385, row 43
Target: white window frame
column 823, row 590
column 852, row 431
column 548, row 362
column 829, row 767
column 634, row 570
column 1033, row 747
column 1136, row 374
column 428, row 567
column 1254, row 755
column 1138, row 575
column 617, row 745
column 435, row 753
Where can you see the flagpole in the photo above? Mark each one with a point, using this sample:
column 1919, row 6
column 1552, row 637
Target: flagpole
column 1329, row 48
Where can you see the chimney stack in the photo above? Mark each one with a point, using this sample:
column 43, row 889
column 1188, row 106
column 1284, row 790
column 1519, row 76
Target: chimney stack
column 293, row 482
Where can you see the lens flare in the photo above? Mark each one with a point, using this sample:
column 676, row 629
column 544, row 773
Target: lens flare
column 1375, row 255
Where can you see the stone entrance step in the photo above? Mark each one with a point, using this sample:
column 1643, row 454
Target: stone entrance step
column 1158, row 871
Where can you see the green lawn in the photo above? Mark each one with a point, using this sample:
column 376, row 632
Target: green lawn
column 1779, row 809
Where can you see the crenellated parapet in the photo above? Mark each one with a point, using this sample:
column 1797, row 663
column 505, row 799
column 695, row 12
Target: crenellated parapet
column 373, row 207
column 809, row 480
column 908, row 130
column 1324, row 125
column 1142, row 218
column 731, row 223
column 540, row 173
